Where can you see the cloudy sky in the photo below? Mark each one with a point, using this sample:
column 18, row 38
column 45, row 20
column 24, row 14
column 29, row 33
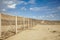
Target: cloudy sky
column 37, row 9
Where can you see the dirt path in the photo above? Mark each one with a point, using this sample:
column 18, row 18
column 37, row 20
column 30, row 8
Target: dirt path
column 39, row 32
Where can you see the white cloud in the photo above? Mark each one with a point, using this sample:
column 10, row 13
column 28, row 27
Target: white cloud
column 50, row 12
column 39, row 8
column 21, row 2
column 23, row 8
column 8, row 2
column 32, row 1
column 50, row 16
column 58, row 8
column 3, row 9
column 35, row 9
column 11, row 5
column 43, row 9
column 31, row 9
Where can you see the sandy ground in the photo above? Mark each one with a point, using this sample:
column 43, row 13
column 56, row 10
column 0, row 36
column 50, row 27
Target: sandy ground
column 39, row 32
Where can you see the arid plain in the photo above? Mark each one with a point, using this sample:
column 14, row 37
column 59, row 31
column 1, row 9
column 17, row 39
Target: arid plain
column 29, row 29
column 39, row 32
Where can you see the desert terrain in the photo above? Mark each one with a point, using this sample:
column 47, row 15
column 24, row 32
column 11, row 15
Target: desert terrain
column 39, row 32
column 28, row 28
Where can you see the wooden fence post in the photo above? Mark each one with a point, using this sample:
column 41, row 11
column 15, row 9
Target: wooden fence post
column 0, row 25
column 28, row 23
column 16, row 24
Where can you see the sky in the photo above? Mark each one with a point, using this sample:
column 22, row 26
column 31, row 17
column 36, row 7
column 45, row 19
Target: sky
column 36, row 9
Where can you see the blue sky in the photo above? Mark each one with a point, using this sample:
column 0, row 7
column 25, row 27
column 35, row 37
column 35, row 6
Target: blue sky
column 37, row 9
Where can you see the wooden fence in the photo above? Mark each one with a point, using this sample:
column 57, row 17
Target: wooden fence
column 13, row 24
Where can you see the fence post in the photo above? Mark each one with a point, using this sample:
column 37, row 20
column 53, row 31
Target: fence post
column 16, row 24
column 28, row 23
column 0, row 25
column 23, row 23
